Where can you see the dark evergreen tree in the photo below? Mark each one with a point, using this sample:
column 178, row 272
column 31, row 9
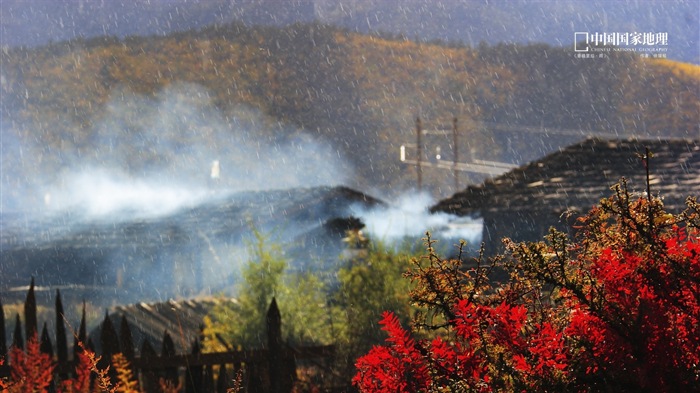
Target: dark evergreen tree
column 61, row 338
column 109, row 341
column 30, row 323
column 17, row 340
column 126, row 340
column 82, row 335
column 45, row 345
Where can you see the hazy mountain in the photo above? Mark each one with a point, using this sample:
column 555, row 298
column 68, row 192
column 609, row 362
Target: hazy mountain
column 307, row 105
column 37, row 22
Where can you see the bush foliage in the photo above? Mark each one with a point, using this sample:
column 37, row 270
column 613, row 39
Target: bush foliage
column 32, row 371
column 266, row 275
column 613, row 308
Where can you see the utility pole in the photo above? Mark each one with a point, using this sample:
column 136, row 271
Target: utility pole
column 419, row 149
column 491, row 168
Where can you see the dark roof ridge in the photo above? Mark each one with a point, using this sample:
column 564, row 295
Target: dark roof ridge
column 579, row 174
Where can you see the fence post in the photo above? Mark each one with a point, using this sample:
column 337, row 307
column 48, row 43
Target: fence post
column 222, row 381
column 168, row 351
column 281, row 369
column 149, row 377
column 193, row 374
column 208, row 379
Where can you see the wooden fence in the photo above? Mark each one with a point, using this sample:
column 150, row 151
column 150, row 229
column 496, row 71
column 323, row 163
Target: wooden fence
column 271, row 369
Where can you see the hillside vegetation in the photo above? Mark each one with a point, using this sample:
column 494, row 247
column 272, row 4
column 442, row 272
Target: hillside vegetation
column 360, row 93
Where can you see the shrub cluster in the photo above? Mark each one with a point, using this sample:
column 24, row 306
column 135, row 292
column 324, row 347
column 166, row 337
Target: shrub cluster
column 613, row 308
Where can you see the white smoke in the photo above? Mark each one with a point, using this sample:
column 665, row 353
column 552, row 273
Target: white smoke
column 409, row 218
column 101, row 192
column 151, row 156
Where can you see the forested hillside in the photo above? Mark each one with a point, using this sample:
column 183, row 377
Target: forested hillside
column 34, row 23
column 85, row 100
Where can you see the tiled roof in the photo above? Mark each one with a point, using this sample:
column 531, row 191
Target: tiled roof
column 60, row 251
column 222, row 217
column 182, row 319
column 577, row 177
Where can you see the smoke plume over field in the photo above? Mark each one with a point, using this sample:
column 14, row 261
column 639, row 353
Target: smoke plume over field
column 148, row 207
column 408, row 219
column 149, row 156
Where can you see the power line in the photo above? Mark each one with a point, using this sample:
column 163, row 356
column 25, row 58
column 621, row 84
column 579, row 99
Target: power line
column 492, row 168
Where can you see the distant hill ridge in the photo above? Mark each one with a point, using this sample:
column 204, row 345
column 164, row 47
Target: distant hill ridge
column 471, row 22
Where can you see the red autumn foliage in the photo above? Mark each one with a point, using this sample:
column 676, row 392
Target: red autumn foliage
column 32, row 371
column 614, row 309
column 3, row 382
column 80, row 383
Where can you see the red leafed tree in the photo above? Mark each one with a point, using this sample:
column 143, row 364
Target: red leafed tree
column 616, row 308
column 80, row 383
column 32, row 370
